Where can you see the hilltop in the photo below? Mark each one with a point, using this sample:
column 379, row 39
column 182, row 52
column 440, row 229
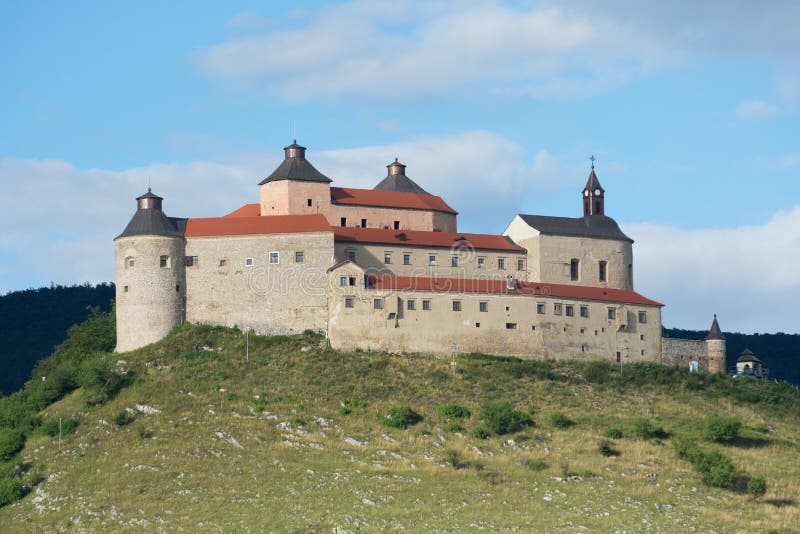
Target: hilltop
column 193, row 434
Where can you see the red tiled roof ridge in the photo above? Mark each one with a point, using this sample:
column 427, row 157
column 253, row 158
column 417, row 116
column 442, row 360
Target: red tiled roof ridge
column 424, row 238
column 389, row 199
column 498, row 286
column 244, row 225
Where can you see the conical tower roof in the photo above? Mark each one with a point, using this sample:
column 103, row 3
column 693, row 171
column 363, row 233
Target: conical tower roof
column 747, row 356
column 295, row 166
column 593, row 182
column 715, row 332
column 396, row 180
column 149, row 219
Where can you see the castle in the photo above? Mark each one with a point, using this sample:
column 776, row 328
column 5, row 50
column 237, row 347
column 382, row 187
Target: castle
column 386, row 269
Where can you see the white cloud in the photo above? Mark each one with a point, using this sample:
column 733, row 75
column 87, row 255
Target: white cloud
column 756, row 109
column 747, row 275
column 563, row 49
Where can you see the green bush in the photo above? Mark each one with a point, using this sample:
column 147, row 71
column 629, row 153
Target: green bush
column 537, row 465
column 99, row 379
column 481, row 432
column 559, row 420
column 757, row 486
column 355, row 402
column 644, row 428
column 596, row 372
column 613, row 433
column 124, row 418
column 722, row 429
column 453, row 411
column 401, row 417
column 11, row 442
column 715, row 468
column 607, row 449
column 10, row 491
column 51, row 427
column 500, row 418
column 456, row 427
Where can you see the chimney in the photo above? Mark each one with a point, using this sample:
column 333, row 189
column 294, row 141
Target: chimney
column 511, row 285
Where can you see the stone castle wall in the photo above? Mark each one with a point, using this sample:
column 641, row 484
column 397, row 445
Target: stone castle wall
column 681, row 352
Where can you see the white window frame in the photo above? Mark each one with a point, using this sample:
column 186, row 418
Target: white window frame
column 277, row 257
column 249, row 262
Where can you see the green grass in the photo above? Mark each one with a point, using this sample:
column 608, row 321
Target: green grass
column 263, row 446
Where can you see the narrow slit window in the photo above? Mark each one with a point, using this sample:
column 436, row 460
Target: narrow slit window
column 574, row 269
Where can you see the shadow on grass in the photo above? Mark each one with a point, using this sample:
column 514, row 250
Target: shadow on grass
column 750, row 443
column 780, row 503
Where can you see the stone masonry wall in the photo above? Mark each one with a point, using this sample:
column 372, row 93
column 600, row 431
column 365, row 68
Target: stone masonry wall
column 680, row 352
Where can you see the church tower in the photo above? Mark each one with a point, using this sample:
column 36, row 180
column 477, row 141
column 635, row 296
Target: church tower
column 593, row 195
column 715, row 348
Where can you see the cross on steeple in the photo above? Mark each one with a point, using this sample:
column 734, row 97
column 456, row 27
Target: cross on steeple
column 592, row 158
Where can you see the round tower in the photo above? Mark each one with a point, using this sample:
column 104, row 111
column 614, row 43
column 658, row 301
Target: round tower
column 715, row 348
column 150, row 275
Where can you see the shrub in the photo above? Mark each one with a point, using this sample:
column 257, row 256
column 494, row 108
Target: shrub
column 453, row 411
column 344, row 410
column 100, row 380
column 596, row 372
column 10, row 491
column 537, row 465
column 716, row 469
column 559, row 420
column 11, row 442
column 722, row 429
column 757, row 486
column 613, row 433
column 644, row 428
column 68, row 426
column 401, row 417
column 481, row 432
column 500, row 418
column 607, row 449
column 124, row 418
column 457, row 461
column 455, row 427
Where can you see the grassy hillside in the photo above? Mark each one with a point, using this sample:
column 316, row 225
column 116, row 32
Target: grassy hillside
column 36, row 320
column 203, row 440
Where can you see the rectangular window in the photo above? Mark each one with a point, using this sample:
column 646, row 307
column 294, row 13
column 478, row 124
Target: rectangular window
column 342, row 280
column 641, row 337
column 387, row 258
column 299, row 257
column 411, row 305
column 163, row 262
column 643, row 317
column 351, row 280
column 248, row 262
column 520, row 264
column 426, row 305
column 348, row 302
column 574, row 269
column 124, row 289
column 453, row 261
column 612, row 313
column 583, row 330
column 308, row 202
column 584, row 311
column 511, row 326
column 177, row 288
column 190, row 261
column 397, row 225
column 481, row 262
column 483, row 306
column 377, row 304
column 540, row 308
column 351, row 255
column 432, row 259
column 406, row 259
column 557, row 308
column 601, row 271
column 131, row 263
column 223, row 262
column 363, row 223
column 569, row 310
column 642, row 352
column 273, row 257
column 501, row 263
column 343, row 221
column 477, row 325
column 456, row 305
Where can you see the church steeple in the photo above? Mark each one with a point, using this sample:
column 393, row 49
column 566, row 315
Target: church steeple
column 593, row 195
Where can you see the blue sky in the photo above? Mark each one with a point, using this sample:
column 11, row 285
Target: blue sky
column 692, row 112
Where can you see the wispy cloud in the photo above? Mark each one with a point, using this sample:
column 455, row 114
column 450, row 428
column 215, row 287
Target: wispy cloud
column 756, row 110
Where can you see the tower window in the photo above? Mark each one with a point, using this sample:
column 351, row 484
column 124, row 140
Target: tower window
column 477, row 325
column 601, row 271
column 177, row 288
column 343, row 221
column 274, row 257
column 363, row 223
column 397, row 225
column 574, row 269
column 299, row 257
column 163, row 262
column 643, row 317
column 630, row 275
column 125, row 289
column 308, row 202
column 483, row 306
column 129, row 263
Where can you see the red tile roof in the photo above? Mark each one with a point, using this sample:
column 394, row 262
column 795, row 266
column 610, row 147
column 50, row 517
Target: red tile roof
column 242, row 225
column 248, row 210
column 388, row 199
column 421, row 238
column 474, row 285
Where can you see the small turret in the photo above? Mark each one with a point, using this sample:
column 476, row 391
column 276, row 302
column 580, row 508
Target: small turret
column 593, row 195
column 715, row 348
column 396, row 180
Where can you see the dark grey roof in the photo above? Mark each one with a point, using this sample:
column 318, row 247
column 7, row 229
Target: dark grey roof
column 598, row 226
column 593, row 183
column 747, row 356
column 149, row 194
column 715, row 332
column 401, row 183
column 153, row 222
column 296, row 167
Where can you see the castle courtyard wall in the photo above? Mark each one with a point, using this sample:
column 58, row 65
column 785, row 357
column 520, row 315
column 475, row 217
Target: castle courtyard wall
column 681, row 352
column 269, row 298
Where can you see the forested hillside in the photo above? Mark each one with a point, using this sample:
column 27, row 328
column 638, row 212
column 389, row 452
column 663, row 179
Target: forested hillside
column 34, row 321
column 780, row 352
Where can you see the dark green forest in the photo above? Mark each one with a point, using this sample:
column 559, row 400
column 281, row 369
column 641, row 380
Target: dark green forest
column 34, row 321
column 779, row 352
